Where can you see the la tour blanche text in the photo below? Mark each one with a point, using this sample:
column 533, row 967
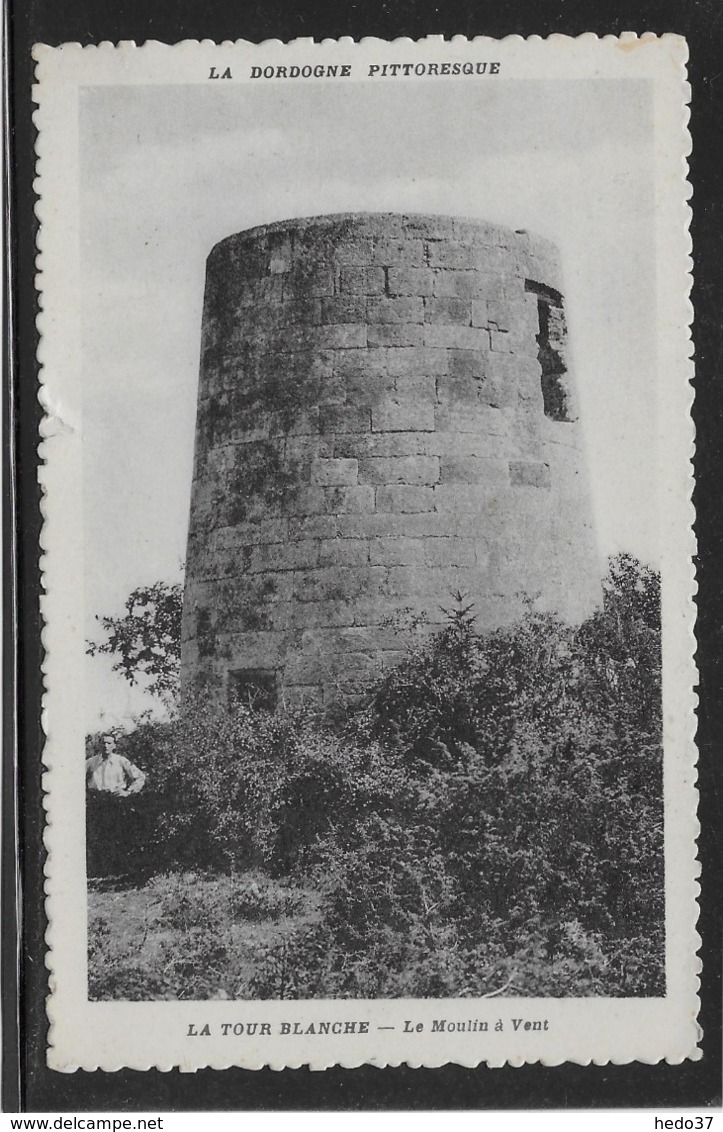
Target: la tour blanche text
column 375, row 70
column 320, row 1028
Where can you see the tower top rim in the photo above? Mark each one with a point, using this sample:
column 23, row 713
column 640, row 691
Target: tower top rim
column 408, row 224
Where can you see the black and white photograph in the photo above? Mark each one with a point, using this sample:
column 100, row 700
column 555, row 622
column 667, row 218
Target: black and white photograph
column 371, row 398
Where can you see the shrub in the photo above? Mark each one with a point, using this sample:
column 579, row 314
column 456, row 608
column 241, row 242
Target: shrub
column 491, row 820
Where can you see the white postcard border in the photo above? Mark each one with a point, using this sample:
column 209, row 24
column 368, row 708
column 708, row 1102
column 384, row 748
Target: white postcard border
column 143, row 1035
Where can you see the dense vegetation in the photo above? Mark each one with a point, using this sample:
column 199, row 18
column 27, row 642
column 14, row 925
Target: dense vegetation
column 489, row 820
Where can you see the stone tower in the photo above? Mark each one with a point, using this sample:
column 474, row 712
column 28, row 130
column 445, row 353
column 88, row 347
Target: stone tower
column 386, row 415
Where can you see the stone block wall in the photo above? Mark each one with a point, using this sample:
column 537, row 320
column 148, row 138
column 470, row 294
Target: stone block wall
column 386, row 416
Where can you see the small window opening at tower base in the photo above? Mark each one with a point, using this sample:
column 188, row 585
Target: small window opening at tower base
column 551, row 341
column 253, row 688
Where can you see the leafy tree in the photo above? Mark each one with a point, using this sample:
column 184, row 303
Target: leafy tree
column 146, row 642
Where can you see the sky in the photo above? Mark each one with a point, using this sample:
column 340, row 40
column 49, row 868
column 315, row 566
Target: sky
column 167, row 171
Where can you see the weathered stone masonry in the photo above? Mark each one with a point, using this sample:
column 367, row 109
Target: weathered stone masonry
column 386, row 416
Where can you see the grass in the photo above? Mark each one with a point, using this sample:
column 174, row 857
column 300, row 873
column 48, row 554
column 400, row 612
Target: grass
column 188, row 935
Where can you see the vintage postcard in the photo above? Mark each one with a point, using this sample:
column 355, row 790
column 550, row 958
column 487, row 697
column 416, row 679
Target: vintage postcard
column 367, row 552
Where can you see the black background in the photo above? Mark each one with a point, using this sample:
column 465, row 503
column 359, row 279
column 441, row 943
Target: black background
column 27, row 1084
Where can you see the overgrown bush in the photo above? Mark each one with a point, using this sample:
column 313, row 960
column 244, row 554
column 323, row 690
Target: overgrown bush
column 490, row 821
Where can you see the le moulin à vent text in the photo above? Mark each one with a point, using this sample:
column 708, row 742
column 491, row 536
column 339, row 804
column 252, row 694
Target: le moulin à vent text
column 347, row 1027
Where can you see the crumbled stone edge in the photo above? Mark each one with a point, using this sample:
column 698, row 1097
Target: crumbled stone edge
column 52, row 420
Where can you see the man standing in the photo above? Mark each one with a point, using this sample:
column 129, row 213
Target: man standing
column 113, row 773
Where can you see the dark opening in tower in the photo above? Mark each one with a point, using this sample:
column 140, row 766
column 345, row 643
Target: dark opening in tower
column 254, row 688
column 551, row 340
